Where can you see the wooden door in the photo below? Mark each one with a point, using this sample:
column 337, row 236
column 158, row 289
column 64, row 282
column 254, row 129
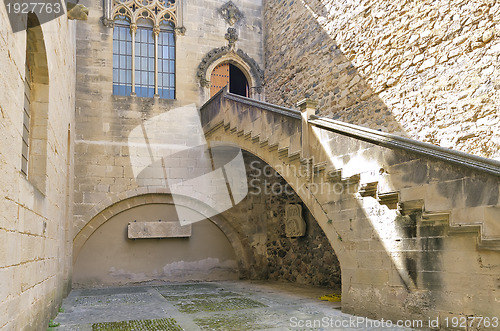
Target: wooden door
column 219, row 78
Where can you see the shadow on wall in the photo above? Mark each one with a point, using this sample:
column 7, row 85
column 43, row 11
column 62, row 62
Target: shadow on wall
column 427, row 71
column 420, row 71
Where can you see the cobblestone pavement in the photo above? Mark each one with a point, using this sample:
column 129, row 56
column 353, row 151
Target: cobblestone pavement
column 242, row 305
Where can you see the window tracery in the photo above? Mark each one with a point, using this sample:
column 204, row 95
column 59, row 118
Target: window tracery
column 144, row 62
column 158, row 11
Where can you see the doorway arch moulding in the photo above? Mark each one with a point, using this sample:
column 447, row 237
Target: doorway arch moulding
column 251, row 69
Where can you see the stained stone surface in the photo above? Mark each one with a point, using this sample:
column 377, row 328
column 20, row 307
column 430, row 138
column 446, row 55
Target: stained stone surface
column 243, row 305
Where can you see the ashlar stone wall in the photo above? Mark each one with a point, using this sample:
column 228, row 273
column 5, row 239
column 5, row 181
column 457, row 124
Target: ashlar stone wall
column 104, row 160
column 423, row 69
column 103, row 166
column 35, row 243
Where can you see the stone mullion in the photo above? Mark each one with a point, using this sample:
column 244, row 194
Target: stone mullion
column 156, row 31
column 133, row 30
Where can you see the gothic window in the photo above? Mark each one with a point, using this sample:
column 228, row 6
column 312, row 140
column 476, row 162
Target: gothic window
column 166, row 67
column 144, row 47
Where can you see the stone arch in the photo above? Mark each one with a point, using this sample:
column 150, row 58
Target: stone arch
column 134, row 200
column 346, row 260
column 240, row 59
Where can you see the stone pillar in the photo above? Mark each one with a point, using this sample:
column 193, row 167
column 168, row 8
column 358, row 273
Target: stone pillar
column 307, row 108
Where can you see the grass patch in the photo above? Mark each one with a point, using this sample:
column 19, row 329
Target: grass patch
column 53, row 324
column 194, row 305
column 164, row 324
column 230, row 322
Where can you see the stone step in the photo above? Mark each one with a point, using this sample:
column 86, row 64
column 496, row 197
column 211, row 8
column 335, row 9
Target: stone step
column 284, row 144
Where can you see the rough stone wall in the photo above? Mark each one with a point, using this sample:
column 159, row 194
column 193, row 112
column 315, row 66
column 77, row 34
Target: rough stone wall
column 35, row 254
column 104, row 172
column 305, row 260
column 423, row 69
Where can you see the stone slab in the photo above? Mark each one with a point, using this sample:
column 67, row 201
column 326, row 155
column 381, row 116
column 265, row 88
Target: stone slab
column 145, row 230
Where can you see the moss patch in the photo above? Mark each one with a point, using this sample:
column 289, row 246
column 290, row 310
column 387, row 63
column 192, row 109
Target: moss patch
column 100, row 300
column 196, row 287
column 230, row 322
column 197, row 303
column 164, row 324
column 201, row 296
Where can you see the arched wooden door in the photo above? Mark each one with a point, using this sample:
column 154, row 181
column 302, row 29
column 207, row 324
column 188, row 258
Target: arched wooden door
column 219, row 78
column 228, row 74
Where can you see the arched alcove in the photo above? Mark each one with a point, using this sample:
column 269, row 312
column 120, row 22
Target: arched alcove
column 103, row 253
column 36, row 106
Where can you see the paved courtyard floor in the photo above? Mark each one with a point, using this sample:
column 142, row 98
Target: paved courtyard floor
column 241, row 305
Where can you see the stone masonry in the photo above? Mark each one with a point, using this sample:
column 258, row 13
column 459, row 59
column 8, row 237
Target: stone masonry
column 423, row 69
column 415, row 237
column 104, row 121
column 36, row 211
column 404, row 233
column 260, row 220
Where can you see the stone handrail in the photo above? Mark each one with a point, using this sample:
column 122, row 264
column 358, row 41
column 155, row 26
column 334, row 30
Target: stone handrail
column 393, row 141
column 265, row 105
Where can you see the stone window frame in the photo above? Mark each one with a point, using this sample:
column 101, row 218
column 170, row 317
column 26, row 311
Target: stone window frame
column 36, row 95
column 157, row 11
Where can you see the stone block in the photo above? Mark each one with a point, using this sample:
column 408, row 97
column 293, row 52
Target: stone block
column 371, row 277
column 160, row 229
column 491, row 226
column 481, row 191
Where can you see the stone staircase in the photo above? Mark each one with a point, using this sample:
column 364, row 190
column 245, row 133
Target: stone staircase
column 320, row 146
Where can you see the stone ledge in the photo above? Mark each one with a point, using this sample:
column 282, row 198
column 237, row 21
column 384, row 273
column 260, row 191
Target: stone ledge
column 393, row 141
